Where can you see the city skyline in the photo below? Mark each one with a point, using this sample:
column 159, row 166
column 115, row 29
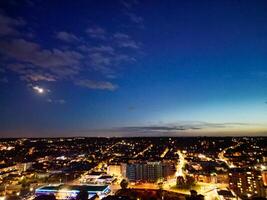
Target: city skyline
column 133, row 68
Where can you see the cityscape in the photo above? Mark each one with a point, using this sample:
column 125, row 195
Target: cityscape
column 133, row 100
column 214, row 167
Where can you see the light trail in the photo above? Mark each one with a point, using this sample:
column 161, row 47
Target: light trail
column 180, row 165
column 142, row 152
column 226, row 160
column 164, row 152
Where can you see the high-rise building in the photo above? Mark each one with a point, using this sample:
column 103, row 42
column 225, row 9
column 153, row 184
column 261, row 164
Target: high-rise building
column 247, row 182
column 148, row 171
column 114, row 170
column 117, row 170
column 168, row 169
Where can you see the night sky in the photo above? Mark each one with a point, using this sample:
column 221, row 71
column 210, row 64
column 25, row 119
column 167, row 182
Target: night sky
column 133, row 68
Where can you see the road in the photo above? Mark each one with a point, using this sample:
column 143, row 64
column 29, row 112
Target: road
column 226, row 160
column 180, row 165
column 164, row 152
column 142, row 152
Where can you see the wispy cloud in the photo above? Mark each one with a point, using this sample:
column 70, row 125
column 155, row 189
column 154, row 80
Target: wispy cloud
column 30, row 73
column 66, row 37
column 182, row 127
column 129, row 4
column 33, row 76
column 8, row 25
column 94, row 49
column 99, row 59
column 134, row 18
column 35, row 63
column 56, row 62
column 121, row 36
column 96, row 32
column 102, row 85
column 124, row 40
column 56, row 101
column 103, row 49
column 105, row 58
column 187, row 128
column 129, row 11
column 26, row 51
column 129, row 44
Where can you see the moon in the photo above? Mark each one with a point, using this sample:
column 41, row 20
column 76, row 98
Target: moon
column 38, row 89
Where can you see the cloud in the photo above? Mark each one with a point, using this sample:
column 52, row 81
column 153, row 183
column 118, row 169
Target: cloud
column 106, row 63
column 96, row 32
column 33, row 62
column 125, row 41
column 126, row 4
column 66, row 37
column 123, row 58
column 105, row 58
column 129, row 4
column 181, row 127
column 99, row 59
column 58, row 62
column 129, row 12
column 31, row 76
column 30, row 73
column 101, row 85
column 25, row 51
column 121, row 36
column 103, row 49
column 162, row 129
column 128, row 44
column 8, row 25
column 134, row 18
column 56, row 101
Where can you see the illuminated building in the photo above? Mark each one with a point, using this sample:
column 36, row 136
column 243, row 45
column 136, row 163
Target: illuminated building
column 19, row 167
column 47, row 190
column 248, row 183
column 148, row 171
column 264, row 177
column 211, row 178
column 226, row 195
column 105, row 179
column 93, row 176
column 65, row 192
column 115, row 170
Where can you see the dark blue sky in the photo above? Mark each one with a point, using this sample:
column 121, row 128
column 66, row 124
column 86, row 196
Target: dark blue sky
column 128, row 68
